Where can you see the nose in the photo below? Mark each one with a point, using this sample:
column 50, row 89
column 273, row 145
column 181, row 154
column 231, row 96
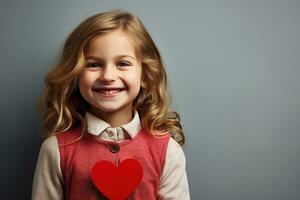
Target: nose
column 109, row 73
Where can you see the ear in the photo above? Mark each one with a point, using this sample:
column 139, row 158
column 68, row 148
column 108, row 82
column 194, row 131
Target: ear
column 143, row 84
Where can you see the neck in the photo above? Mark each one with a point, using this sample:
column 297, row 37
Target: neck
column 114, row 119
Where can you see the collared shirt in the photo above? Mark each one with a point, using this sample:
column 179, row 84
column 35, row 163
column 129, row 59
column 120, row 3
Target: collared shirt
column 48, row 180
column 102, row 129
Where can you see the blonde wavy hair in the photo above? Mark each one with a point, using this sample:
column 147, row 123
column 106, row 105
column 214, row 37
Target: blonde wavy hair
column 61, row 105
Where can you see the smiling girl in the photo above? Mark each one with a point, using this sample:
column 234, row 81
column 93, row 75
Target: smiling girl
column 107, row 100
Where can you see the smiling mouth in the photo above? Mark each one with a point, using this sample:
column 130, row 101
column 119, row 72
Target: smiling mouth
column 109, row 91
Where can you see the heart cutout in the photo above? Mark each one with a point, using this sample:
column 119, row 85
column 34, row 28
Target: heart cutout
column 117, row 182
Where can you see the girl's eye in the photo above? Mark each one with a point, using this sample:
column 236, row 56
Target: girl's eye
column 124, row 64
column 93, row 65
column 121, row 64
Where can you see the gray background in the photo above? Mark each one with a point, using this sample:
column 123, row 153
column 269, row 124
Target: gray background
column 233, row 67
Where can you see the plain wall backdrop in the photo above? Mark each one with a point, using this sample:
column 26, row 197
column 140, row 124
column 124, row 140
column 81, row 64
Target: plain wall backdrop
column 233, row 68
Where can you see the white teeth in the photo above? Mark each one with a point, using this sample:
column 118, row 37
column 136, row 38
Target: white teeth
column 109, row 92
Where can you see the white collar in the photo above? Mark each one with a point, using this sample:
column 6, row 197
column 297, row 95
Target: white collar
column 96, row 126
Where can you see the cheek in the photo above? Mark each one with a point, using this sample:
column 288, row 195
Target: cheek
column 134, row 77
column 133, row 80
column 86, row 81
column 86, row 77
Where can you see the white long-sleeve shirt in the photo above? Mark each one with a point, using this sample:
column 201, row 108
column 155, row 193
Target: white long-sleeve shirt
column 48, row 180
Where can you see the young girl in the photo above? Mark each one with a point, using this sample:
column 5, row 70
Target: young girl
column 107, row 100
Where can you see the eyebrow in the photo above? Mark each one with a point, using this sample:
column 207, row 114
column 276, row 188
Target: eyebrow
column 117, row 57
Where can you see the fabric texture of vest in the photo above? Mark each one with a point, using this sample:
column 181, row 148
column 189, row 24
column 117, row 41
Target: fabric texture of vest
column 77, row 159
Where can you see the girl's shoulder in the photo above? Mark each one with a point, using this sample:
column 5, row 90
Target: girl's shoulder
column 70, row 133
column 175, row 149
column 155, row 139
column 49, row 148
column 69, row 136
column 157, row 135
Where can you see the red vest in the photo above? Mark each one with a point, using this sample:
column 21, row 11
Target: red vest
column 77, row 159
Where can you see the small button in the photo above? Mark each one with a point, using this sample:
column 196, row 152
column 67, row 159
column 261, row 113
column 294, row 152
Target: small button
column 114, row 148
column 110, row 133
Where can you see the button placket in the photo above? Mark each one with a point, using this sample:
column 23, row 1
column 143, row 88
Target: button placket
column 114, row 148
column 111, row 133
column 120, row 135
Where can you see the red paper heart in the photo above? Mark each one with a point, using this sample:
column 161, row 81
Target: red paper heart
column 117, row 182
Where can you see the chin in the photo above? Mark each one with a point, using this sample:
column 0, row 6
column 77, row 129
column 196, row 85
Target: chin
column 109, row 109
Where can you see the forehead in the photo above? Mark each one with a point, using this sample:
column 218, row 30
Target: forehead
column 111, row 44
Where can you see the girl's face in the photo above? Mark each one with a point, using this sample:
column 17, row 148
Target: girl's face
column 111, row 79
